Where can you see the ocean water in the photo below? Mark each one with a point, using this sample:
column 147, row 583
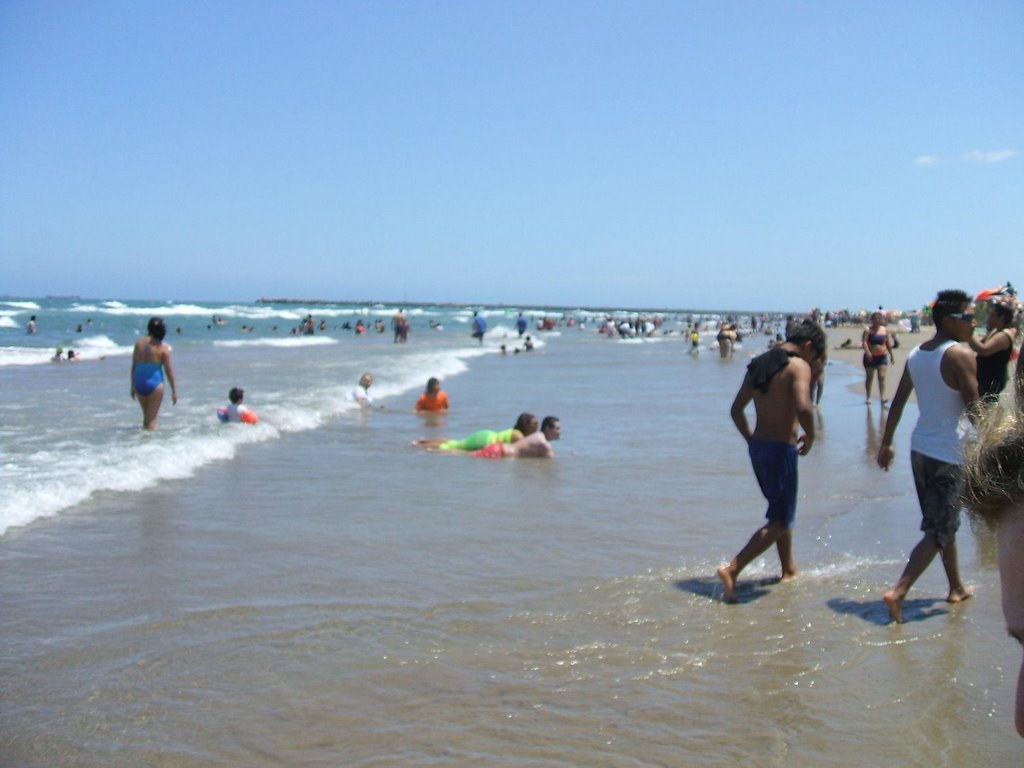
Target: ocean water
column 316, row 590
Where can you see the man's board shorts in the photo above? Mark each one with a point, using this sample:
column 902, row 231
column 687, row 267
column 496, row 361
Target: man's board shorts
column 774, row 466
column 492, row 451
column 939, row 486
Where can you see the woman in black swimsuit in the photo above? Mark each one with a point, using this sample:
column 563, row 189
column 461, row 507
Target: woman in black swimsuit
column 994, row 349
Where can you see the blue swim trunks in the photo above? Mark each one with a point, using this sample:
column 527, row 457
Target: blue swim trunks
column 775, row 468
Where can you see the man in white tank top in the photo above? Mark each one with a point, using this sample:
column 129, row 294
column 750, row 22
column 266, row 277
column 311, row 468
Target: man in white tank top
column 944, row 373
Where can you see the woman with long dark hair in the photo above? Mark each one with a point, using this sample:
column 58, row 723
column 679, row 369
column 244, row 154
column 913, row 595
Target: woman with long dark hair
column 994, row 349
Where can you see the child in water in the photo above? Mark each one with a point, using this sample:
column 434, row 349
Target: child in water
column 433, row 398
column 236, row 411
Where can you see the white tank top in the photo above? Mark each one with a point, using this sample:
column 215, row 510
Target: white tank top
column 941, row 425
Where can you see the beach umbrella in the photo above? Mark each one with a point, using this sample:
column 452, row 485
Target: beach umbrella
column 991, row 293
column 988, row 293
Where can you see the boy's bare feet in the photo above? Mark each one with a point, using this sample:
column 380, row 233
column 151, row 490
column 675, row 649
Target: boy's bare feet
column 729, row 581
column 959, row 595
column 895, row 605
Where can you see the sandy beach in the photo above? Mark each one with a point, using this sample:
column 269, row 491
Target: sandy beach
column 315, row 591
column 854, row 355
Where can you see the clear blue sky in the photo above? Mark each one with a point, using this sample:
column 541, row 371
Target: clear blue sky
column 775, row 155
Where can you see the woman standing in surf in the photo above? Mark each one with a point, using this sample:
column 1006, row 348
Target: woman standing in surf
column 151, row 358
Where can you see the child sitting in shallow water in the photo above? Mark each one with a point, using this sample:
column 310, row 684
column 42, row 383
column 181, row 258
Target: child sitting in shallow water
column 236, row 411
column 433, row 398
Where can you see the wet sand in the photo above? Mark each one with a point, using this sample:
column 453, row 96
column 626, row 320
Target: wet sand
column 854, row 356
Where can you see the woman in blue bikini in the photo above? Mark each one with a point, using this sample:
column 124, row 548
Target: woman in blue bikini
column 151, row 361
column 877, row 355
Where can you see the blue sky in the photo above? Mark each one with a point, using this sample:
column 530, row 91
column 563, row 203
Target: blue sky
column 772, row 155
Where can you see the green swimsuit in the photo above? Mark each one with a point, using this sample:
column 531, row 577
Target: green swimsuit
column 479, row 439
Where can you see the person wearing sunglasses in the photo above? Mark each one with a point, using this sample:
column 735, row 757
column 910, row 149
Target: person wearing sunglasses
column 943, row 373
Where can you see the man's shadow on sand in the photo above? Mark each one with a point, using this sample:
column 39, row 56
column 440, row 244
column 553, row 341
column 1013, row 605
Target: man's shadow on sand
column 876, row 611
column 747, row 591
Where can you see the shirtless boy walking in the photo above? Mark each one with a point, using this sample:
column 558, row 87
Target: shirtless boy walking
column 779, row 383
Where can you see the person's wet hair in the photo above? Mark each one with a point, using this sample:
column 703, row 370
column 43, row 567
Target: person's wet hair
column 526, row 423
column 236, row 395
column 808, row 330
column 548, row 423
column 156, row 328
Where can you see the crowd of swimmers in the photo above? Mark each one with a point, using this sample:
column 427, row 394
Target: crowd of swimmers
column 152, row 364
column 527, row 438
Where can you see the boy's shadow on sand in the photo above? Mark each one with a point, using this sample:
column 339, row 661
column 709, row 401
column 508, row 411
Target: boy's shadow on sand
column 747, row 591
column 876, row 611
